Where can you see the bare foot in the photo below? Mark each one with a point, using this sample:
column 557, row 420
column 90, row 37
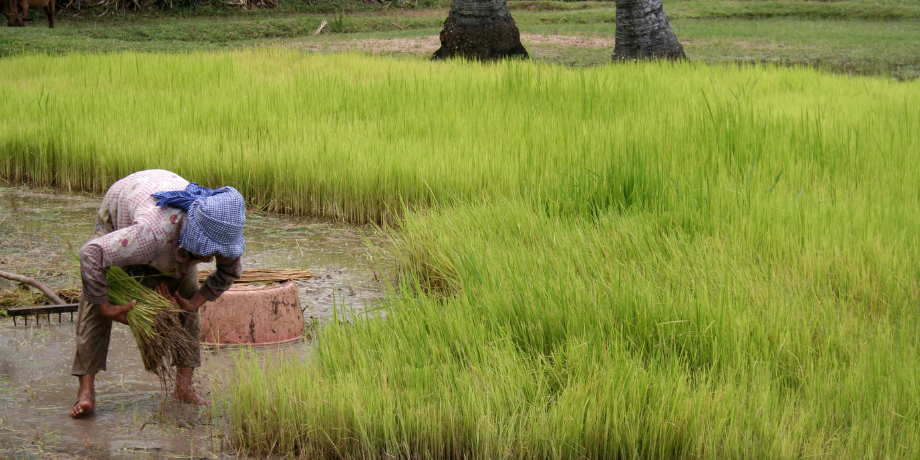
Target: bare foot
column 190, row 396
column 185, row 392
column 86, row 396
column 86, row 403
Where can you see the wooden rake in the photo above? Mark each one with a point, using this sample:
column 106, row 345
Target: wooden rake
column 58, row 306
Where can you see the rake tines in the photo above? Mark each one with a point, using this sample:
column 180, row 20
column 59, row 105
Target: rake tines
column 26, row 312
column 58, row 307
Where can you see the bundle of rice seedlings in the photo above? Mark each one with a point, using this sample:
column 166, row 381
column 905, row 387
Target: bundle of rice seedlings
column 155, row 323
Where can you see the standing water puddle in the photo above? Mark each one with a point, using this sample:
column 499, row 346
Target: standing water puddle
column 39, row 229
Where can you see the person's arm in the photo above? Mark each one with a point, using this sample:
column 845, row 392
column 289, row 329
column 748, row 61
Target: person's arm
column 116, row 312
column 228, row 271
column 132, row 245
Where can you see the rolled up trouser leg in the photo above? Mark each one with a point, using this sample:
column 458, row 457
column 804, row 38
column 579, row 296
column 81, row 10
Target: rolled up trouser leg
column 92, row 329
column 92, row 339
column 187, row 288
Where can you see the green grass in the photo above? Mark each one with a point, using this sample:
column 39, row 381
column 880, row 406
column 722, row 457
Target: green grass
column 861, row 37
column 842, row 9
column 890, row 48
column 634, row 261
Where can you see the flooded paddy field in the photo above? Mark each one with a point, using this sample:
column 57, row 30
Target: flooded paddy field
column 39, row 231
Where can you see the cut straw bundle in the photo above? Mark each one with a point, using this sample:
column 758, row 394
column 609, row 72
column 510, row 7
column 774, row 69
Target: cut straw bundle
column 154, row 321
column 265, row 275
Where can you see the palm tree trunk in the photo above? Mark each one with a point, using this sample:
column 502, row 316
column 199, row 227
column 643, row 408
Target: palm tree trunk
column 480, row 29
column 644, row 32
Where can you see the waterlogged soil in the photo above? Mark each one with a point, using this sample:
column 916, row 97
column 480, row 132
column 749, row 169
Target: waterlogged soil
column 40, row 229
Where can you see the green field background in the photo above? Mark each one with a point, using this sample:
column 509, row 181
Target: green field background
column 632, row 261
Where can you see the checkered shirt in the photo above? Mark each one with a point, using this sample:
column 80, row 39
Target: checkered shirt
column 132, row 230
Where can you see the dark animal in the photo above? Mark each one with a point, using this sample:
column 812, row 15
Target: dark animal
column 19, row 11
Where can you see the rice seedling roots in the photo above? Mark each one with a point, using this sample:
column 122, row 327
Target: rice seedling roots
column 170, row 341
column 160, row 329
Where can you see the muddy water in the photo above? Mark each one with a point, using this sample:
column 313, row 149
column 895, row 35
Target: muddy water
column 39, row 228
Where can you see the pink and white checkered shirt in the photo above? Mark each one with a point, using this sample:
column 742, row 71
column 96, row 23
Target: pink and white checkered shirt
column 132, row 230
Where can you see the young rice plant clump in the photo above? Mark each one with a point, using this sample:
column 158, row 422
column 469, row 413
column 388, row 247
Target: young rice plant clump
column 154, row 321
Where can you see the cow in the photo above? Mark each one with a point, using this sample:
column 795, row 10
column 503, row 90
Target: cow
column 19, row 11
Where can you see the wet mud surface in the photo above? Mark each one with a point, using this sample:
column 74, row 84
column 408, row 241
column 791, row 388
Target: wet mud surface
column 39, row 231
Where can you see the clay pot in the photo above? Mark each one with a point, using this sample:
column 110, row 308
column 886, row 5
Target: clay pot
column 265, row 315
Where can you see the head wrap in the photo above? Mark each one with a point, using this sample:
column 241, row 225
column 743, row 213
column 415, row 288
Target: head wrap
column 214, row 219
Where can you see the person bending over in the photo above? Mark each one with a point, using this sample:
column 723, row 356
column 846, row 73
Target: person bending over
column 157, row 226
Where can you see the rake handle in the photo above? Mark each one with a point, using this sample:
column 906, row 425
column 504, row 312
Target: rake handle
column 35, row 283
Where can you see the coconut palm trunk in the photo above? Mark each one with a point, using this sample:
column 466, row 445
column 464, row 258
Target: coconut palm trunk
column 480, row 29
column 644, row 32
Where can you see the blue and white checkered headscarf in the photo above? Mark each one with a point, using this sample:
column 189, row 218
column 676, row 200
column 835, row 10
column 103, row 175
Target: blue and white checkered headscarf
column 214, row 219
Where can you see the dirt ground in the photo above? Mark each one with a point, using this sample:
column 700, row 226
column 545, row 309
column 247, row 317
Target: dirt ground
column 429, row 44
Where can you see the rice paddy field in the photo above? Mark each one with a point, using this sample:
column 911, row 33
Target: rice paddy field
column 633, row 261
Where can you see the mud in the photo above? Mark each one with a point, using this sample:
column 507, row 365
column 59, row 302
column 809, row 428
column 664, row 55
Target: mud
column 38, row 230
column 132, row 418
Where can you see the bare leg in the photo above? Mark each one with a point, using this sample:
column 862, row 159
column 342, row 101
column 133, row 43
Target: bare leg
column 86, row 396
column 184, row 390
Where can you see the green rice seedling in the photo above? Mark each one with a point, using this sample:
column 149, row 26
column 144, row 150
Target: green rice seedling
column 154, row 322
column 632, row 261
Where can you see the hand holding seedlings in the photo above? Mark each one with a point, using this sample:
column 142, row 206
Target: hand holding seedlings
column 190, row 306
column 116, row 312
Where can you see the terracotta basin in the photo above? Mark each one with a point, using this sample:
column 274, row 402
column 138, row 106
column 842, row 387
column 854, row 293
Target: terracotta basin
column 264, row 315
